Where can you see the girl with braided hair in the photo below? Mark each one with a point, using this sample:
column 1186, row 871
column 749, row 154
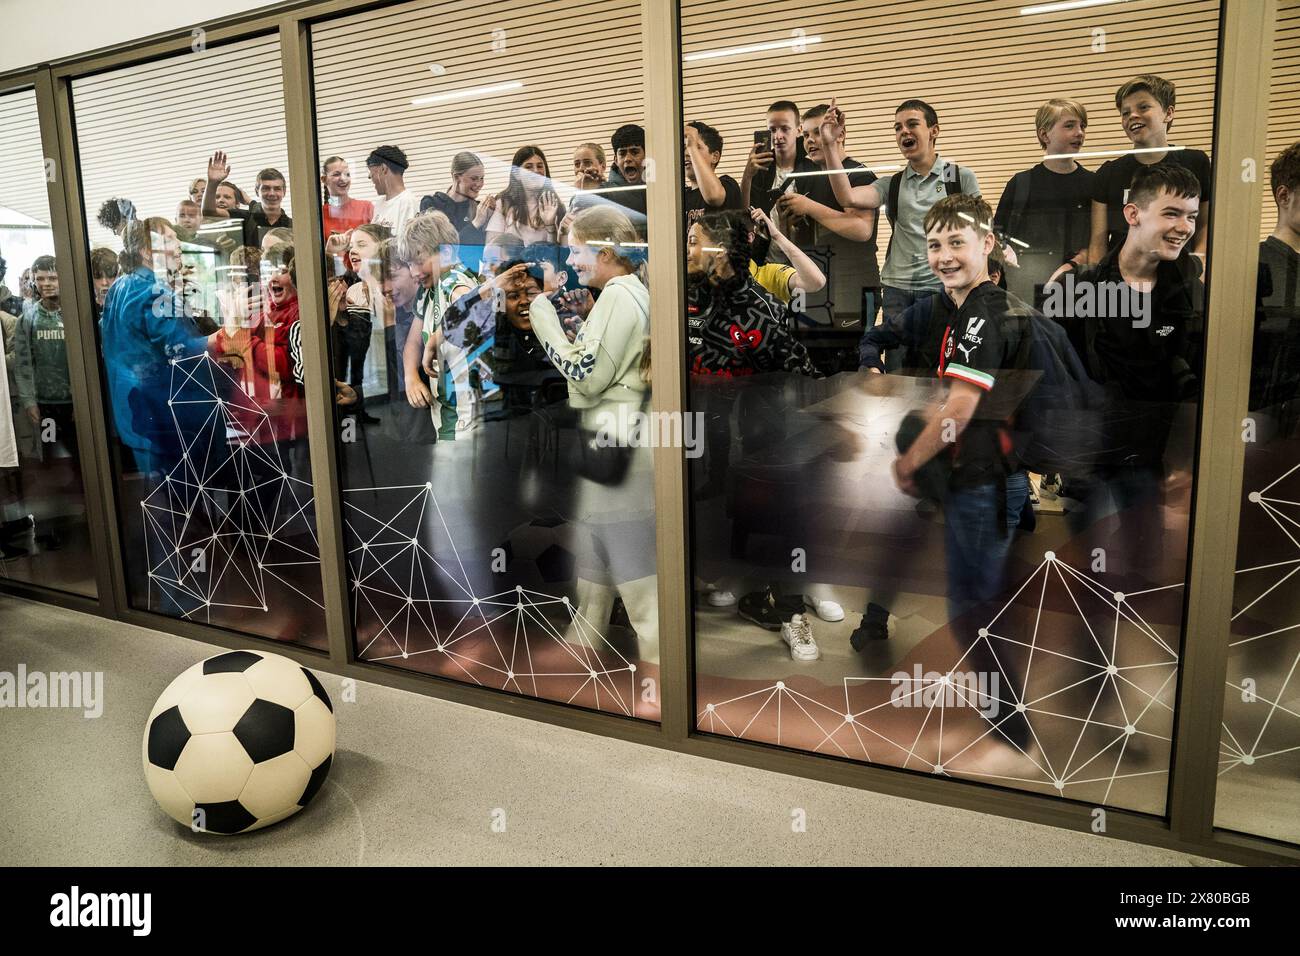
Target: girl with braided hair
column 739, row 345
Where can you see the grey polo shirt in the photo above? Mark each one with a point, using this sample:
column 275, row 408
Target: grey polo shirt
column 906, row 264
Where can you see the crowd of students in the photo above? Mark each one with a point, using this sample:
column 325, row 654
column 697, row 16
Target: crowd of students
column 486, row 302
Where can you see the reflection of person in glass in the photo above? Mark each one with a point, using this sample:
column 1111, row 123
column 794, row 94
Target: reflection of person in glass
column 606, row 366
column 144, row 326
column 529, row 207
column 429, row 244
column 1275, row 382
column 736, row 332
column 460, row 204
column 362, row 302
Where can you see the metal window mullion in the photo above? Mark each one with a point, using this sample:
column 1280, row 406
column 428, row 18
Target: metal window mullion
column 72, row 253
column 661, row 45
column 300, row 132
column 1245, row 55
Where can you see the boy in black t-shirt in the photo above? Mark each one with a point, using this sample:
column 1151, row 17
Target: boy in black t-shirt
column 986, row 488
column 767, row 172
column 1146, row 111
column 1137, row 317
column 705, row 188
column 1275, row 371
column 844, row 239
column 1044, row 217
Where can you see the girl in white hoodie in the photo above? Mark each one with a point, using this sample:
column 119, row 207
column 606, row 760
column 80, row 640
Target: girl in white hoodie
column 607, row 384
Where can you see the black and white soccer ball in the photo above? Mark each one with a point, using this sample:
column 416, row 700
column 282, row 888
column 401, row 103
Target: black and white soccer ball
column 238, row 742
column 540, row 553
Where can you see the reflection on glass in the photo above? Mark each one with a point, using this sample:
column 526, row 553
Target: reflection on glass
column 492, row 317
column 1259, row 760
column 948, row 383
column 43, row 531
column 195, row 290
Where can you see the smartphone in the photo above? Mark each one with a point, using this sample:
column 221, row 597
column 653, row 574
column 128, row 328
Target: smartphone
column 763, row 139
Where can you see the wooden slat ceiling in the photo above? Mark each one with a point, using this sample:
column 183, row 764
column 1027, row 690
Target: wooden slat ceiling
column 1284, row 99
column 22, row 163
column 145, row 131
column 581, row 81
column 982, row 66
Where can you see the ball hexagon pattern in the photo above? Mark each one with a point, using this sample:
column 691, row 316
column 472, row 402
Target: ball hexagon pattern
column 238, row 742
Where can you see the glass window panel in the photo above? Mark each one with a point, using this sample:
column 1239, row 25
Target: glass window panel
column 187, row 212
column 44, row 537
column 1259, row 761
column 978, row 575
column 485, row 235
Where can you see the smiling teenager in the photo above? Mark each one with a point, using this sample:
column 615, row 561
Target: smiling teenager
column 341, row 213
column 1146, row 111
column 1143, row 345
column 1044, row 217
column 907, row 197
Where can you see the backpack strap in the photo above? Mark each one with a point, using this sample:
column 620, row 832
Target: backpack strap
column 891, row 204
column 1019, row 202
column 951, row 185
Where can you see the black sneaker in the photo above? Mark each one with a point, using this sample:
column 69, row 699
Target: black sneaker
column 874, row 627
column 757, row 607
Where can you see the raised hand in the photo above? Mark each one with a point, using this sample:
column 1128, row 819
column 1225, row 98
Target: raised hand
column 549, row 206
column 218, row 167
column 831, row 127
column 759, row 158
column 485, row 210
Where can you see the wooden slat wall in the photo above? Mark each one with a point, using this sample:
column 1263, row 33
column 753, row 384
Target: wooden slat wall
column 1284, row 99
column 22, row 164
column 145, row 132
column 982, row 66
column 582, row 80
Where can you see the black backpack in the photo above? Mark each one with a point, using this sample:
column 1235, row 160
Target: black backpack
column 951, row 187
column 1058, row 426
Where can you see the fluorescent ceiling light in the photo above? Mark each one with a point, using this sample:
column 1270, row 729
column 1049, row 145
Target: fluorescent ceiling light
column 607, row 189
column 855, row 169
column 752, row 48
column 467, row 93
column 1100, row 153
column 1066, row 5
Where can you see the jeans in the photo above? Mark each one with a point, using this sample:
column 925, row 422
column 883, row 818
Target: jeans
column 894, row 303
column 355, row 340
column 977, row 546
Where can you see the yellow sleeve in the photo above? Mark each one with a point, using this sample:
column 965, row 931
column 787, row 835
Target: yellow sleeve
column 773, row 277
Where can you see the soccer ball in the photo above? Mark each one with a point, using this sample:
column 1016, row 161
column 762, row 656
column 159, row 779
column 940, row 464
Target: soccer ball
column 540, row 553
column 238, row 742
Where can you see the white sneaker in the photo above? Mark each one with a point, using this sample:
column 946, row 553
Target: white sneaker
column 722, row 599
column 797, row 632
column 826, row 610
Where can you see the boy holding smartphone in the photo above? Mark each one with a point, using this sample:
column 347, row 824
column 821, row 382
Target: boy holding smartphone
column 777, row 152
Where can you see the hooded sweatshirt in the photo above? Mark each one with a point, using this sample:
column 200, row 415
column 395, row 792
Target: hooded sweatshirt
column 603, row 362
